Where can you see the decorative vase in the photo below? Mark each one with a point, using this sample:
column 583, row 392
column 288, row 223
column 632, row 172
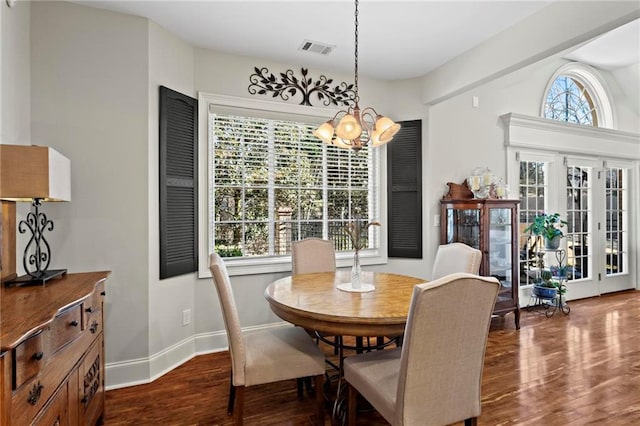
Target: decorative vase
column 356, row 271
column 553, row 243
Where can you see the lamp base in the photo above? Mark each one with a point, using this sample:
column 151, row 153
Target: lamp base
column 36, row 279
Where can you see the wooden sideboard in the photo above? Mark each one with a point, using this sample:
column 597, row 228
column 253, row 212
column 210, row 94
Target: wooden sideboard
column 52, row 352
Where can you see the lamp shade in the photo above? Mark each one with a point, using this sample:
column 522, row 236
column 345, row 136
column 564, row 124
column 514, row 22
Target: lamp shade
column 28, row 172
column 348, row 128
column 325, row 132
column 386, row 129
column 375, row 139
column 341, row 143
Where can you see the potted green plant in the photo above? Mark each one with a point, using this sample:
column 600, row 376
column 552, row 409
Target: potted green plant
column 548, row 287
column 559, row 271
column 548, row 226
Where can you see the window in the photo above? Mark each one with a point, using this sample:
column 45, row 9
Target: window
column 576, row 94
column 579, row 221
column 569, row 101
column 616, row 230
column 271, row 182
column 533, row 190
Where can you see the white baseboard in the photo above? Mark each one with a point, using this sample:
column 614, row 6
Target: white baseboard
column 145, row 370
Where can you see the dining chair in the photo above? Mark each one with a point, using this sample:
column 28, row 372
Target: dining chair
column 264, row 356
column 456, row 257
column 435, row 377
column 312, row 255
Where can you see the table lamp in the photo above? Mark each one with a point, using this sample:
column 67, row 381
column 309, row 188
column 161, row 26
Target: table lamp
column 35, row 174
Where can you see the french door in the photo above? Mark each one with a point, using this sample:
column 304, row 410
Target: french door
column 594, row 196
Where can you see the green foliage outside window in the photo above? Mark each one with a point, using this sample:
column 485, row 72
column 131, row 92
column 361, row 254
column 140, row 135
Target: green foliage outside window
column 274, row 183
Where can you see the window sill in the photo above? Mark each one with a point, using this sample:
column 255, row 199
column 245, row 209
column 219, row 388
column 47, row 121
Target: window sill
column 269, row 265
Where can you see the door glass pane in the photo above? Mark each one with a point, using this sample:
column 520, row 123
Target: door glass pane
column 616, row 221
column 579, row 231
column 533, row 190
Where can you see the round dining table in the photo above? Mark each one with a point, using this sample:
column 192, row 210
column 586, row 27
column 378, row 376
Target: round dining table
column 315, row 302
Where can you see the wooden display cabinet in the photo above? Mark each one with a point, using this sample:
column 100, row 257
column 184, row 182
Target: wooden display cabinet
column 491, row 226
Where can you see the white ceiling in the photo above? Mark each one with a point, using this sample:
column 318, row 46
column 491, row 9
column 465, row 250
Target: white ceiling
column 397, row 39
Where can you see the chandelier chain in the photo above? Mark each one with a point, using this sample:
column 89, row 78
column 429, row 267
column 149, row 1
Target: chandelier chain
column 357, row 98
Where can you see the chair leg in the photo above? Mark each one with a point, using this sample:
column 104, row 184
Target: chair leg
column 299, row 386
column 336, row 342
column 351, row 407
column 473, row 421
column 232, row 395
column 319, row 381
column 308, row 385
column 238, row 413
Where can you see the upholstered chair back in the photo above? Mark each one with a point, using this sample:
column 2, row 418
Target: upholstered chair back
column 443, row 352
column 456, row 257
column 312, row 255
column 230, row 316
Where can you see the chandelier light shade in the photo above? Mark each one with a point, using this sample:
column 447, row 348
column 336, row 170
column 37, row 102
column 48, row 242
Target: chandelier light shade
column 356, row 128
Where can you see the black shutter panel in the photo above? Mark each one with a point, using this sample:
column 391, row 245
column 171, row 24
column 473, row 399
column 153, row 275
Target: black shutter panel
column 178, row 183
column 404, row 191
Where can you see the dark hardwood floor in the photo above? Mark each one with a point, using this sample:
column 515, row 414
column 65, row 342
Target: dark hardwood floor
column 579, row 369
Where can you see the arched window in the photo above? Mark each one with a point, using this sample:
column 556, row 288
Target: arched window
column 568, row 100
column 576, row 94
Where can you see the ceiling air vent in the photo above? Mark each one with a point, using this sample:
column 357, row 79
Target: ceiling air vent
column 316, row 47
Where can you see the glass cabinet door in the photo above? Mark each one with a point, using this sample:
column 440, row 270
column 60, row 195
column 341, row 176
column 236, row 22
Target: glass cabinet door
column 463, row 226
column 501, row 249
column 490, row 226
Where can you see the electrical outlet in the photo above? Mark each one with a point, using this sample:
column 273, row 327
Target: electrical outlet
column 436, row 220
column 186, row 317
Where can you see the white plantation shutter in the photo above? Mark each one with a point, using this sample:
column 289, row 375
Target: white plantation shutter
column 272, row 182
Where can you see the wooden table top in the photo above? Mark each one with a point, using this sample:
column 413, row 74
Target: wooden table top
column 313, row 301
column 25, row 310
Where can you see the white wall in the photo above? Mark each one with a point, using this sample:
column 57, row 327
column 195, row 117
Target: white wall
column 624, row 84
column 15, row 85
column 15, row 88
column 462, row 137
column 89, row 100
column 170, row 65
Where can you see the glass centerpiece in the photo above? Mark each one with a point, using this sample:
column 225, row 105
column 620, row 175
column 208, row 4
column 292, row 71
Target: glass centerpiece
column 358, row 233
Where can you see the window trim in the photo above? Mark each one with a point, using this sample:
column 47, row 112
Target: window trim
column 595, row 87
column 264, row 265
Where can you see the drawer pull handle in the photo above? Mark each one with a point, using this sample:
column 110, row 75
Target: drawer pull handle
column 94, row 327
column 89, row 309
column 35, row 393
column 38, row 356
column 103, row 293
column 73, row 323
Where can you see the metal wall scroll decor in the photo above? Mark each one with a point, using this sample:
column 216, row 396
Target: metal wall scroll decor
column 288, row 85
